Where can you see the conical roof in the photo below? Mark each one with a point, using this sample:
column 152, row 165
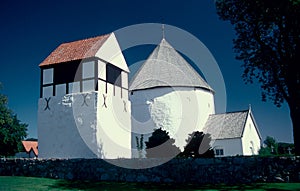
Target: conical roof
column 165, row 67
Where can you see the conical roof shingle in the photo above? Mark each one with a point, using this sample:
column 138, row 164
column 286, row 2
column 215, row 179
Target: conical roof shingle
column 165, row 67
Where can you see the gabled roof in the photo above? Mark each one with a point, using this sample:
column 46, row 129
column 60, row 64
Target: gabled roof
column 31, row 145
column 76, row 50
column 166, row 67
column 228, row 125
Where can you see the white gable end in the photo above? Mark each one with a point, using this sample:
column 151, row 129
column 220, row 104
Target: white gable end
column 111, row 52
column 251, row 140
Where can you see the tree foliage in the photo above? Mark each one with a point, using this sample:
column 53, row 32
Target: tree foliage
column 160, row 145
column 268, row 42
column 286, row 148
column 140, row 145
column 272, row 148
column 198, row 146
column 12, row 131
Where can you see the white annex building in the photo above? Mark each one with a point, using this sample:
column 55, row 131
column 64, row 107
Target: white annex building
column 87, row 108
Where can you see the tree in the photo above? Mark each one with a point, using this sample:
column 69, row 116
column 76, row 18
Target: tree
column 268, row 42
column 285, row 148
column 270, row 147
column 160, row 145
column 12, row 131
column 198, row 146
column 140, row 145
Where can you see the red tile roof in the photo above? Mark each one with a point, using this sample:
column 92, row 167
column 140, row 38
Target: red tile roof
column 75, row 50
column 28, row 145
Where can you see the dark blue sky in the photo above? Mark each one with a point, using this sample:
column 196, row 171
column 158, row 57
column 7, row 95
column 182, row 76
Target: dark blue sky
column 31, row 30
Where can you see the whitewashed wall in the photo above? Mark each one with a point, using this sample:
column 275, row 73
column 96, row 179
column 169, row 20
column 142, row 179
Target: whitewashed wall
column 179, row 110
column 248, row 144
column 31, row 154
column 25, row 155
column 88, row 124
column 231, row 147
column 251, row 141
column 62, row 125
column 111, row 52
column 114, row 124
column 79, row 126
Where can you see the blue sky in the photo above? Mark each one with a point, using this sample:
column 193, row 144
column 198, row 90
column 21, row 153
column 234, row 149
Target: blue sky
column 30, row 30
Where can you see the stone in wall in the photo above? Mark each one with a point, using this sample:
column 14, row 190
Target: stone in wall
column 227, row 170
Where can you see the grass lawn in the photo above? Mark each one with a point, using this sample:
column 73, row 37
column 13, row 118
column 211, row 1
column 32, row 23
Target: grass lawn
column 14, row 183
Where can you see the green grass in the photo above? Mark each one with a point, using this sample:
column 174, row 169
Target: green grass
column 14, row 183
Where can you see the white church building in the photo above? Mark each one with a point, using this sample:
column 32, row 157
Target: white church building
column 88, row 109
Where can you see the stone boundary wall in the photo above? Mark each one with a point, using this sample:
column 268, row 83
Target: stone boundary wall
column 226, row 170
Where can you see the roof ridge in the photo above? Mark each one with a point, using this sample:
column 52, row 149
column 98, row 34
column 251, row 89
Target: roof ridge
column 75, row 50
column 228, row 112
column 254, row 121
column 87, row 38
column 226, row 125
column 141, row 67
column 187, row 63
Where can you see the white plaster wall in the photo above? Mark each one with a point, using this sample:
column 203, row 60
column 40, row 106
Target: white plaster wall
column 80, row 126
column 31, row 154
column 206, row 104
column 251, row 141
column 64, row 127
column 179, row 110
column 101, row 86
column 231, row 147
column 114, row 124
column 101, row 70
column 124, row 79
column 111, row 52
column 22, row 155
column 125, row 94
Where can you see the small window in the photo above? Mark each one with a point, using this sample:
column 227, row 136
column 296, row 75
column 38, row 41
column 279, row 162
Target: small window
column 48, row 76
column 219, row 152
column 88, row 70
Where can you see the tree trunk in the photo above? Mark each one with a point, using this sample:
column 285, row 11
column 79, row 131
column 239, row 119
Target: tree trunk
column 295, row 117
column 293, row 83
